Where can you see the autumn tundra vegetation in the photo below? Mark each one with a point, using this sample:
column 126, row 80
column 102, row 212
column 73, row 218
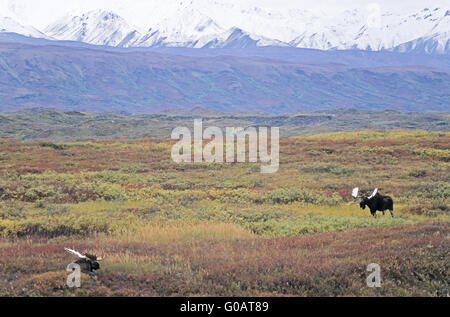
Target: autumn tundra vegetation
column 207, row 229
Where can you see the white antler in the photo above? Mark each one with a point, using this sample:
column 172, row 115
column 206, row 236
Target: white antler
column 374, row 193
column 355, row 192
column 77, row 254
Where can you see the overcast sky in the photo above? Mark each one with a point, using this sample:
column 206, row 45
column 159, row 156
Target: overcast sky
column 40, row 13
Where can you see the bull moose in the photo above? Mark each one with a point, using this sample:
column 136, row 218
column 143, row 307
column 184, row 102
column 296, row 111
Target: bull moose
column 87, row 262
column 375, row 202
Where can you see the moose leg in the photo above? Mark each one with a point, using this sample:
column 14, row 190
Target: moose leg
column 384, row 212
column 374, row 213
column 392, row 213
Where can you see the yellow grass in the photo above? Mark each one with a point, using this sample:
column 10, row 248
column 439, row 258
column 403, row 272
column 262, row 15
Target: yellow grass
column 370, row 134
column 181, row 231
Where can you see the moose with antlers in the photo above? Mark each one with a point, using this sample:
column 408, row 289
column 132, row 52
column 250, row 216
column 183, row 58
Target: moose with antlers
column 375, row 202
column 87, row 262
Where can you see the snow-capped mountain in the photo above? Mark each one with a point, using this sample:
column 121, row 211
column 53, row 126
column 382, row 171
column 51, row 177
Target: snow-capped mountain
column 215, row 24
column 350, row 30
column 437, row 43
column 197, row 31
column 237, row 38
column 95, row 27
column 188, row 27
column 11, row 26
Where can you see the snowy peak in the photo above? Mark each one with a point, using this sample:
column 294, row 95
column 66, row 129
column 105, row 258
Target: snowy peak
column 187, row 27
column 437, row 43
column 11, row 26
column 237, row 38
column 95, row 27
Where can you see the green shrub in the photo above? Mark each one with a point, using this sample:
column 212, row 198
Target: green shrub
column 282, row 196
column 287, row 196
column 333, row 200
column 328, row 169
column 53, row 145
column 418, row 173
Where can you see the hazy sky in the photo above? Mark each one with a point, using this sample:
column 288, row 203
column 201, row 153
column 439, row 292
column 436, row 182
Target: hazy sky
column 40, row 13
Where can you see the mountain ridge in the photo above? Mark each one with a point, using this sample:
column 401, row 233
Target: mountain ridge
column 141, row 81
column 426, row 31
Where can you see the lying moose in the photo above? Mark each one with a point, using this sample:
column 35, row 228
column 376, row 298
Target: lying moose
column 375, row 202
column 87, row 262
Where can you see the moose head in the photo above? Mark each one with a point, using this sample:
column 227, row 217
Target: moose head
column 364, row 198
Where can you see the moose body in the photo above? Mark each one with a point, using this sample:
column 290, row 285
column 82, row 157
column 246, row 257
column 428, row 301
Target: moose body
column 88, row 263
column 378, row 202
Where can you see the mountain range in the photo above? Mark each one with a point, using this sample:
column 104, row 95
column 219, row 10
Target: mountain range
column 77, row 76
column 218, row 26
column 223, row 59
